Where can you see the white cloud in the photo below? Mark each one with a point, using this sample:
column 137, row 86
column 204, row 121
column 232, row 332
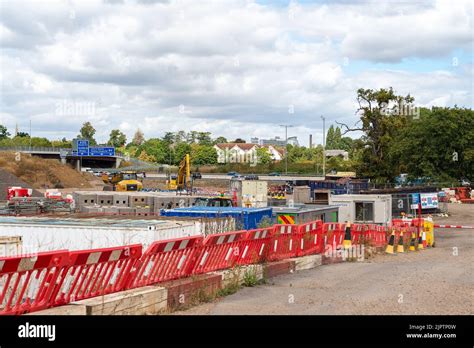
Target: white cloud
column 236, row 66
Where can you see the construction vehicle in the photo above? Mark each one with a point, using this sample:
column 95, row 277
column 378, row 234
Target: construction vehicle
column 182, row 180
column 213, row 202
column 122, row 181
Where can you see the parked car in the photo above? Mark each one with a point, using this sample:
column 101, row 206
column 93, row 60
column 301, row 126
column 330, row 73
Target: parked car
column 274, row 174
column 197, row 175
column 251, row 177
column 232, row 173
column 237, row 176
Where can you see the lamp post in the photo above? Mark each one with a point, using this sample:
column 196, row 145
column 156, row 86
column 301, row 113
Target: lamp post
column 324, row 145
column 286, row 145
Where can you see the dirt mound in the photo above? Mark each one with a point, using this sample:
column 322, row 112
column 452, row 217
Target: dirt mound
column 42, row 173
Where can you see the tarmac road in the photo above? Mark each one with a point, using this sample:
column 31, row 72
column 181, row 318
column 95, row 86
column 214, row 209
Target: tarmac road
column 439, row 280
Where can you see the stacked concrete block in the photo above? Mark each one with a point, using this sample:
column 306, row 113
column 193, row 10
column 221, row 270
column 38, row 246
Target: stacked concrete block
column 142, row 211
column 91, row 209
column 105, row 199
column 111, row 210
column 140, row 201
column 85, row 198
column 126, row 211
column 120, row 200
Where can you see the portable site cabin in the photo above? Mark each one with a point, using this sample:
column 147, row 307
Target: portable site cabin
column 363, row 208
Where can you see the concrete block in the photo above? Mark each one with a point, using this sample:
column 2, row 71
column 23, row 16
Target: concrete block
column 120, row 200
column 110, row 210
column 307, row 262
column 143, row 211
column 126, row 211
column 277, row 268
column 188, row 291
column 91, row 209
column 71, row 309
column 85, row 198
column 141, row 301
column 105, row 199
column 140, row 201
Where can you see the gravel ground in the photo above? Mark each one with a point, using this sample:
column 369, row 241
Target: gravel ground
column 433, row 281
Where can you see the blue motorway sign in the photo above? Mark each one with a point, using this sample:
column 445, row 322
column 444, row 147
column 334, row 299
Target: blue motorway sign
column 101, row 151
column 82, row 147
column 415, row 198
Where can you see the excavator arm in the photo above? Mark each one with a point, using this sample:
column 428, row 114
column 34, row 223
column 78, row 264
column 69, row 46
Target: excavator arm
column 184, row 174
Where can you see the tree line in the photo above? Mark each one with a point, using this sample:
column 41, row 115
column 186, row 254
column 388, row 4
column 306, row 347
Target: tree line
column 435, row 143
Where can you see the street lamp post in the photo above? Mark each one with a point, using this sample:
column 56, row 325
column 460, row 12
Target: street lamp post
column 324, row 145
column 286, row 145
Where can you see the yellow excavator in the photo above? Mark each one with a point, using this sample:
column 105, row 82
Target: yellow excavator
column 182, row 180
column 122, row 181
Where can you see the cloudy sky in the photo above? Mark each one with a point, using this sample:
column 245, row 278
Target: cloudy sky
column 235, row 68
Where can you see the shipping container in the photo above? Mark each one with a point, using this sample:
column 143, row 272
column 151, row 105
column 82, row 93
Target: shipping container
column 245, row 218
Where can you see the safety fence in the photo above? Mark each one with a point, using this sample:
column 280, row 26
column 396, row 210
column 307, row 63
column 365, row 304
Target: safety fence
column 31, row 283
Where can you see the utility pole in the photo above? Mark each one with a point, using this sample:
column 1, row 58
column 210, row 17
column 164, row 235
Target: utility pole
column 30, row 134
column 286, row 145
column 324, row 145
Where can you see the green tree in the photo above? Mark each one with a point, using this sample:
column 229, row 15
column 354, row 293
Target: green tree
column 220, row 140
column 379, row 123
column 330, row 138
column 204, row 138
column 3, row 132
column 155, row 147
column 87, row 132
column 23, row 135
column 180, row 150
column 117, row 138
column 203, row 154
column 263, row 156
column 438, row 145
column 239, row 140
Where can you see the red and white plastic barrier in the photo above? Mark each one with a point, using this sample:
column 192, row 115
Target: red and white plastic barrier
column 284, row 242
column 166, row 260
column 55, row 278
column 27, row 282
column 95, row 272
column 220, row 251
column 453, row 226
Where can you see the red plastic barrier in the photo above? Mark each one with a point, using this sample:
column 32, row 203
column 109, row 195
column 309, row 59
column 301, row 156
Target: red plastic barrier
column 220, row 251
column 333, row 233
column 166, row 260
column 26, row 282
column 96, row 272
column 358, row 233
column 311, row 239
column 284, row 242
column 256, row 247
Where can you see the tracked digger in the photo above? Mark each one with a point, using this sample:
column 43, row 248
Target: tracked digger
column 182, row 180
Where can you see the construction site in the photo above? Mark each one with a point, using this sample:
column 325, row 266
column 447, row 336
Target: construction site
column 236, row 171
column 129, row 242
